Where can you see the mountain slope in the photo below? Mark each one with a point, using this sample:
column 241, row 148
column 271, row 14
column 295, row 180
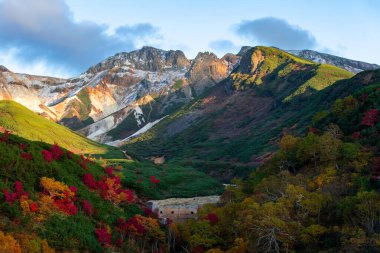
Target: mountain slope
column 347, row 64
column 25, row 123
column 237, row 123
column 318, row 191
column 121, row 89
column 55, row 200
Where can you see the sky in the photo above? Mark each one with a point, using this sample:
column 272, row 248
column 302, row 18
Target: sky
column 64, row 38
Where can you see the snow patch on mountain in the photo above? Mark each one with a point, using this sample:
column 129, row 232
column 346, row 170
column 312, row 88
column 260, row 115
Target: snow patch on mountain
column 139, row 132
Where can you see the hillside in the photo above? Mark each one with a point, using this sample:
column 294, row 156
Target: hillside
column 236, row 124
column 21, row 121
column 75, row 203
column 347, row 64
column 318, row 193
column 62, row 200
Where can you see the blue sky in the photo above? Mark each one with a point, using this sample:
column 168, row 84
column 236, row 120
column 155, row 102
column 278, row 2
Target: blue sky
column 65, row 37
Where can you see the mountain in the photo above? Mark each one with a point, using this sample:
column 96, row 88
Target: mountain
column 128, row 93
column 120, row 90
column 32, row 91
column 317, row 192
column 21, row 121
column 347, row 64
column 236, row 124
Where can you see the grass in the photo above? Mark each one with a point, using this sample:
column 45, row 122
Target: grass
column 176, row 180
column 25, row 123
column 324, row 76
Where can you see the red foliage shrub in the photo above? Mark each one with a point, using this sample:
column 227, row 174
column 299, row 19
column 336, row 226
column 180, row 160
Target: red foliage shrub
column 109, row 171
column 26, row 156
column 89, row 181
column 5, row 136
column 48, row 156
column 87, row 207
column 109, row 188
column 11, row 197
column 128, row 193
column 370, row 118
column 104, row 237
column 66, row 205
column 131, row 226
column 19, row 188
column 83, row 162
column 33, row 207
column 149, row 212
column 23, row 146
column 212, row 218
column 56, row 152
column 73, row 189
column 356, row 135
column 154, row 180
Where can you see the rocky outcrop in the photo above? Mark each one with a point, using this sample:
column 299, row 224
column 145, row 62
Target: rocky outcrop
column 207, row 69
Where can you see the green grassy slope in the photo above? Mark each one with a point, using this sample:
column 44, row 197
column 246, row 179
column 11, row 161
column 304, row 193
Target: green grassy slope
column 23, row 122
column 176, row 181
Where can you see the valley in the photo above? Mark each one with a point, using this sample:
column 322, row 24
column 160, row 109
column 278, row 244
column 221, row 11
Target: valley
column 80, row 157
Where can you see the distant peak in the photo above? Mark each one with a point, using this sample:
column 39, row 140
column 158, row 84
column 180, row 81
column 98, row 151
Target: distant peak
column 3, row 69
column 206, row 54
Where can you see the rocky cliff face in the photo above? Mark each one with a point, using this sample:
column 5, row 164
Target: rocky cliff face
column 119, row 87
column 207, row 69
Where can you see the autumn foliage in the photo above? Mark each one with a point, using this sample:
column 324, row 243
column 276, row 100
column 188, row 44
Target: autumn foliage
column 104, row 235
column 63, row 196
column 8, row 244
column 109, row 188
column 370, row 118
column 17, row 194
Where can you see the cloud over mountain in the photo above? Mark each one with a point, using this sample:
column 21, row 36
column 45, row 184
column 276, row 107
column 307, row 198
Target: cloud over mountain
column 224, row 46
column 45, row 30
column 276, row 32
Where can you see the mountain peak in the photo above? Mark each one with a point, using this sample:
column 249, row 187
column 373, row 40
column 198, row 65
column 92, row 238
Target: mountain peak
column 147, row 59
column 3, row 69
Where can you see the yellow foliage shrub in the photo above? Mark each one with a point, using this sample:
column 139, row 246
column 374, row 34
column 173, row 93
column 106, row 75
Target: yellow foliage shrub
column 56, row 188
column 8, row 244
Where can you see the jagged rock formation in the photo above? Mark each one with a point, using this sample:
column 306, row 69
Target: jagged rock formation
column 117, row 88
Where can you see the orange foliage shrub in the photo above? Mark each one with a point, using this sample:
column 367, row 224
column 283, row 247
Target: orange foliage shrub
column 8, row 244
